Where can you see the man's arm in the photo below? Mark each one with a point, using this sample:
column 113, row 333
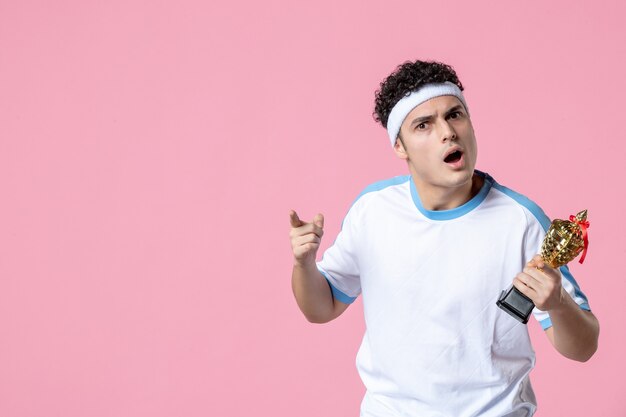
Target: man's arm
column 310, row 288
column 574, row 332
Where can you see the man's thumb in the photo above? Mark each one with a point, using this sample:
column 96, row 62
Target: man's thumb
column 319, row 220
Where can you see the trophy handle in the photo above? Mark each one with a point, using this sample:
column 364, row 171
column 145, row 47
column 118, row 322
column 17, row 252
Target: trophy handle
column 516, row 304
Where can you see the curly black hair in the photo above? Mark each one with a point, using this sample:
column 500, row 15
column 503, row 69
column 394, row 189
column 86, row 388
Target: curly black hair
column 407, row 78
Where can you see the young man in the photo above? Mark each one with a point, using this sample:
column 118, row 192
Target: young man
column 431, row 252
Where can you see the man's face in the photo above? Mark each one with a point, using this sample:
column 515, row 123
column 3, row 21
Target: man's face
column 439, row 144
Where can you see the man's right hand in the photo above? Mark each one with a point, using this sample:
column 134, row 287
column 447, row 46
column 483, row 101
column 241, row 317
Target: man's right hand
column 312, row 292
column 305, row 238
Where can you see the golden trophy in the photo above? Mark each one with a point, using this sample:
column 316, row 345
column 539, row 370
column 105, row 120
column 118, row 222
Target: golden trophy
column 563, row 242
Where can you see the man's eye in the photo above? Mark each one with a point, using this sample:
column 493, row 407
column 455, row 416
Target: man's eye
column 455, row 115
column 421, row 126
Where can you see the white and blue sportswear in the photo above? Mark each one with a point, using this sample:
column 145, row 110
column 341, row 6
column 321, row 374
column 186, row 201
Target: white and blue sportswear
column 436, row 344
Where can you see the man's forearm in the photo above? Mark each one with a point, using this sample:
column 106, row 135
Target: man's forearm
column 575, row 331
column 312, row 293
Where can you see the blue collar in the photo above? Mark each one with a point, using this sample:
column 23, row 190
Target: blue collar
column 457, row 211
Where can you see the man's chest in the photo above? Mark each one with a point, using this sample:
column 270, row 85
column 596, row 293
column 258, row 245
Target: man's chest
column 456, row 259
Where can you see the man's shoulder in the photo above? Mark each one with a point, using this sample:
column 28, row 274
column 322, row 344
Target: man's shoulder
column 382, row 186
column 522, row 202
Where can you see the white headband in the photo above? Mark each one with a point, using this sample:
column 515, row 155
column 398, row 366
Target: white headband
column 403, row 107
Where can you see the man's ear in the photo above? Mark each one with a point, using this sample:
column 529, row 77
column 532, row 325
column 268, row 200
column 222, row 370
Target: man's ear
column 398, row 148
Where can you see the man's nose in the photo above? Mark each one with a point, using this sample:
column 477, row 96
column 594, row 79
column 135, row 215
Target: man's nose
column 447, row 131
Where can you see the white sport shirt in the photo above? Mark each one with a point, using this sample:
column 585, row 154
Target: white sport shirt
column 436, row 344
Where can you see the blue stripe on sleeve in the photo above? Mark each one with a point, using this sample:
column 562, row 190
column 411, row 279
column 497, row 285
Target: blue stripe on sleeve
column 568, row 275
column 546, row 323
column 337, row 294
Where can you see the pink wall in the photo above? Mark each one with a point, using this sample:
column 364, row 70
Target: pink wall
column 150, row 153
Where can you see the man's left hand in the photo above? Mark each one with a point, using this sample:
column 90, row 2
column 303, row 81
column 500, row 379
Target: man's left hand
column 541, row 284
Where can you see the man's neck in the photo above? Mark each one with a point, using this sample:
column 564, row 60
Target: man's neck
column 446, row 198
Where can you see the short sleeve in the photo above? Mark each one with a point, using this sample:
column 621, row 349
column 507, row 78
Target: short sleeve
column 538, row 224
column 340, row 265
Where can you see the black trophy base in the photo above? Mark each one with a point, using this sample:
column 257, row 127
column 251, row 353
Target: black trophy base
column 516, row 304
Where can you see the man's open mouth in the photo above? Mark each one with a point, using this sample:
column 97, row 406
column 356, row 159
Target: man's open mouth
column 453, row 157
